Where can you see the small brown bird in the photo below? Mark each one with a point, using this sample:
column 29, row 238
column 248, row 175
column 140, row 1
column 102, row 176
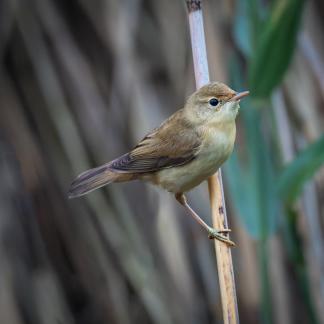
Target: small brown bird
column 182, row 152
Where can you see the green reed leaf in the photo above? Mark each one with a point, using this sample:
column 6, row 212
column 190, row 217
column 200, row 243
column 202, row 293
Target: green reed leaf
column 300, row 170
column 275, row 47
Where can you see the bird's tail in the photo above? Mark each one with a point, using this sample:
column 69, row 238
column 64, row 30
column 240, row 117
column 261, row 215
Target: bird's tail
column 95, row 178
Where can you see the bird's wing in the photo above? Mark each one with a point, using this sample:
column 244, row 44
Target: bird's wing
column 174, row 143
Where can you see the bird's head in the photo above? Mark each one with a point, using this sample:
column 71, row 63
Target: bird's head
column 215, row 103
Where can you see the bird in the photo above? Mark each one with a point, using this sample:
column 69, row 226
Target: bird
column 186, row 149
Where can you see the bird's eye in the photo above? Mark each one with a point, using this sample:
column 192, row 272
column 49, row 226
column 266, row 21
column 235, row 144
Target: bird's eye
column 213, row 102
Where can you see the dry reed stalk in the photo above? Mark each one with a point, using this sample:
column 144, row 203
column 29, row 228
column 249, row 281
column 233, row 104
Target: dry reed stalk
column 215, row 186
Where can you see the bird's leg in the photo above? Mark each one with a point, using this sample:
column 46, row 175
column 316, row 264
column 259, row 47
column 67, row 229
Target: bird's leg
column 212, row 233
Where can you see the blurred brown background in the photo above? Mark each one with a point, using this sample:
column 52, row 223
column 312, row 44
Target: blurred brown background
column 80, row 83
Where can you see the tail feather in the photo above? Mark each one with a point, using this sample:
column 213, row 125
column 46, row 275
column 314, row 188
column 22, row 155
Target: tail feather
column 93, row 179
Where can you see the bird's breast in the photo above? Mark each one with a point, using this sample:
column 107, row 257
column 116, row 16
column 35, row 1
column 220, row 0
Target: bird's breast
column 214, row 151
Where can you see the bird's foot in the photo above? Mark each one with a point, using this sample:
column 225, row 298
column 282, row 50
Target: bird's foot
column 220, row 235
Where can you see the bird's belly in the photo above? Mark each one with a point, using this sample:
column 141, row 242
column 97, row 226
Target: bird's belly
column 184, row 178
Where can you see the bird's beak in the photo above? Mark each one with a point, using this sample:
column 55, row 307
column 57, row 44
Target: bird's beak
column 240, row 95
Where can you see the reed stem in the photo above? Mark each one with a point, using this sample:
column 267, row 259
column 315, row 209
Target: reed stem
column 215, row 186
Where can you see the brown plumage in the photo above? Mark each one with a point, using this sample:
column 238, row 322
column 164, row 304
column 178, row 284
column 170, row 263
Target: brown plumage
column 182, row 152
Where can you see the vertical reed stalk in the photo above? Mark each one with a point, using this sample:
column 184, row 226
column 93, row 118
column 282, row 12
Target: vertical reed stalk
column 215, row 186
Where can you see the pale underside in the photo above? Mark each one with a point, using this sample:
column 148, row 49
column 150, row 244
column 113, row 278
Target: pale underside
column 185, row 177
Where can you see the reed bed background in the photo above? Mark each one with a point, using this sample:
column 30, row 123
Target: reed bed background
column 80, row 83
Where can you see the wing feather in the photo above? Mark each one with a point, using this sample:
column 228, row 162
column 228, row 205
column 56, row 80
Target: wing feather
column 174, row 143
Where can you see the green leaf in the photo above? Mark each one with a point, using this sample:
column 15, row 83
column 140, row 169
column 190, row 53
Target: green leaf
column 249, row 15
column 275, row 47
column 300, row 170
column 242, row 28
column 242, row 195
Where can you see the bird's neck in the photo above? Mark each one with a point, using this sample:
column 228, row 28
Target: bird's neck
column 226, row 128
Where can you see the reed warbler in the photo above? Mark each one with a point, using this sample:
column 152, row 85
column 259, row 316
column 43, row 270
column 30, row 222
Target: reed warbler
column 182, row 152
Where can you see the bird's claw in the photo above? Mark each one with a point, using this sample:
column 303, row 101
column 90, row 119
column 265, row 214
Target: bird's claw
column 220, row 235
